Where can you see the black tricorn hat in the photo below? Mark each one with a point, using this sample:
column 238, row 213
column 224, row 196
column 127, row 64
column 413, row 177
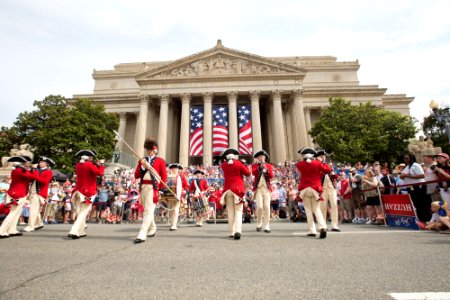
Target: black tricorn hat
column 86, row 152
column 175, row 166
column 229, row 151
column 261, row 152
column 20, row 159
column 307, row 150
column 47, row 160
column 320, row 153
column 199, row 171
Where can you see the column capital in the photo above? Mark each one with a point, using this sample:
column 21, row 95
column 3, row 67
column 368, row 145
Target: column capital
column 185, row 98
column 122, row 116
column 276, row 94
column 297, row 93
column 164, row 98
column 307, row 109
column 254, row 95
column 207, row 97
column 232, row 95
column 143, row 99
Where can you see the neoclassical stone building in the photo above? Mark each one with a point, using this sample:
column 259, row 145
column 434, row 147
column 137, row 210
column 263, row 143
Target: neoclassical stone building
column 285, row 94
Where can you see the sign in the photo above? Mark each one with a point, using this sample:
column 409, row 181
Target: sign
column 400, row 211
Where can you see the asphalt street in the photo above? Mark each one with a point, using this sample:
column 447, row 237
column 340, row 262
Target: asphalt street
column 361, row 262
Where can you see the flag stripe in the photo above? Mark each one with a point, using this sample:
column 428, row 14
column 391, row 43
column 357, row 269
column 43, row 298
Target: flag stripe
column 245, row 130
column 196, row 131
column 220, row 129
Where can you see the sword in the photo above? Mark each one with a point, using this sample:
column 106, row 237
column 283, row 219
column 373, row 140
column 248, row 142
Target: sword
column 147, row 166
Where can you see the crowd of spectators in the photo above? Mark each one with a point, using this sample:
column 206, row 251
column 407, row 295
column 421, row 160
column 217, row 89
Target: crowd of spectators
column 357, row 189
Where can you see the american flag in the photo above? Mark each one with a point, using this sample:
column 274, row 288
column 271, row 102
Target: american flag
column 196, row 133
column 220, row 129
column 245, row 130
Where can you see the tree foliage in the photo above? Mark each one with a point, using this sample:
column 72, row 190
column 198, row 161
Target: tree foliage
column 362, row 132
column 435, row 130
column 58, row 131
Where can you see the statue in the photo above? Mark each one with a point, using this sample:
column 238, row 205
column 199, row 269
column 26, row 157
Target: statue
column 24, row 150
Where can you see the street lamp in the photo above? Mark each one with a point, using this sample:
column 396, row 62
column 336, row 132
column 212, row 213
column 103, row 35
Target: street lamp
column 442, row 115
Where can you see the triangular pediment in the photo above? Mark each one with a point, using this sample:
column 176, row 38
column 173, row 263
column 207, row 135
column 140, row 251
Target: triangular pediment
column 219, row 62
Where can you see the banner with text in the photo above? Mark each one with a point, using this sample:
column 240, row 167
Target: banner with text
column 400, row 211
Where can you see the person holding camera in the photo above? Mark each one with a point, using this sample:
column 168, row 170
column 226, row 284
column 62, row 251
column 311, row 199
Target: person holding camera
column 442, row 170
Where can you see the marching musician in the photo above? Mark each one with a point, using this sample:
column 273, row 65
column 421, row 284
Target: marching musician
column 85, row 189
column 150, row 187
column 16, row 197
column 198, row 189
column 39, row 192
column 233, row 190
column 262, row 189
column 310, row 188
column 329, row 194
column 180, row 186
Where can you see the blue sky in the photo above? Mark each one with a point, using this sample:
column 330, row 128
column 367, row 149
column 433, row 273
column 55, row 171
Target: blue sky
column 51, row 47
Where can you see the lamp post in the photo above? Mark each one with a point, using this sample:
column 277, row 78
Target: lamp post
column 442, row 115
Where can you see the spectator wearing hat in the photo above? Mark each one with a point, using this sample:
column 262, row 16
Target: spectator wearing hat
column 16, row 197
column 85, row 189
column 150, row 186
column 262, row 188
column 198, row 189
column 180, row 185
column 442, row 170
column 413, row 176
column 39, row 192
column 233, row 190
column 310, row 189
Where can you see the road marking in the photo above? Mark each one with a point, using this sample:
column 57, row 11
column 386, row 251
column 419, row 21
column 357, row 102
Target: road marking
column 364, row 232
column 420, row 296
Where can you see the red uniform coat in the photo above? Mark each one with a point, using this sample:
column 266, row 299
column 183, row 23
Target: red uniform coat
column 87, row 173
column 20, row 182
column 4, row 209
column 184, row 183
column 160, row 167
column 268, row 176
column 234, row 177
column 311, row 174
column 43, row 178
column 203, row 186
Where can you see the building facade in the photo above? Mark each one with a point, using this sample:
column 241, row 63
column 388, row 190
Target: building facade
column 285, row 94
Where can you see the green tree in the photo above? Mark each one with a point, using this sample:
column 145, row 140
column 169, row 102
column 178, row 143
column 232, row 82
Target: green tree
column 435, row 130
column 362, row 132
column 57, row 130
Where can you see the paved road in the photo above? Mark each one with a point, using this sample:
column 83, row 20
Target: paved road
column 362, row 262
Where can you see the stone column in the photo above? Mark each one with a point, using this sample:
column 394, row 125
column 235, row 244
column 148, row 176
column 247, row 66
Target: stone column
column 162, row 127
column 141, row 126
column 300, row 120
column 279, row 137
column 256, row 122
column 207, row 128
column 270, row 130
column 122, row 126
column 233, row 121
column 308, row 126
column 295, row 145
column 184, row 132
column 288, row 130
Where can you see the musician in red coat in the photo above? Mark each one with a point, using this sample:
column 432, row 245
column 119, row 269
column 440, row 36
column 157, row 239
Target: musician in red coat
column 16, row 195
column 39, row 192
column 198, row 189
column 85, row 189
column 310, row 189
column 233, row 190
column 178, row 183
column 150, row 187
column 262, row 189
column 329, row 193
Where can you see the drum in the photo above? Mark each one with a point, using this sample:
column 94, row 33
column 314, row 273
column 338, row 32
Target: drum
column 166, row 195
column 200, row 204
